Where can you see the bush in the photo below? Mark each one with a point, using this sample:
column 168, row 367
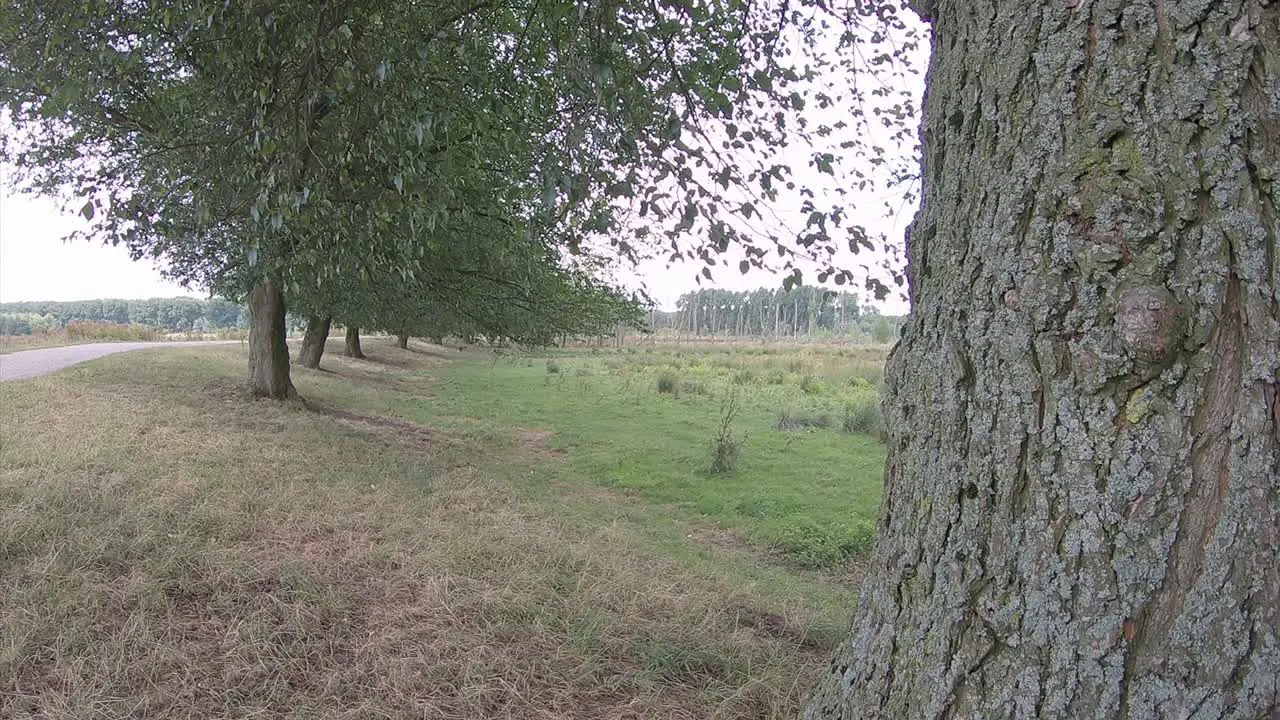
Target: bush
column 863, row 417
column 777, row 377
column 857, row 382
column 85, row 330
column 668, row 384
column 792, row 420
column 553, row 367
column 810, row 385
column 27, row 324
column 744, row 377
column 694, row 387
column 825, row 547
column 726, row 447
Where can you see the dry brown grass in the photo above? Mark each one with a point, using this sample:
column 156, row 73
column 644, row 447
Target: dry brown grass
column 15, row 343
column 174, row 549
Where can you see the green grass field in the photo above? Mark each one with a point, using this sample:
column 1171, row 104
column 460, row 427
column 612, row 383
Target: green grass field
column 436, row 533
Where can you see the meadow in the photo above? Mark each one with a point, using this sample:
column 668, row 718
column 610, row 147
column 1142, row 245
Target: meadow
column 435, row 533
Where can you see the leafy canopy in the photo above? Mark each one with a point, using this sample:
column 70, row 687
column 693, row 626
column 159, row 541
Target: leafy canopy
column 308, row 140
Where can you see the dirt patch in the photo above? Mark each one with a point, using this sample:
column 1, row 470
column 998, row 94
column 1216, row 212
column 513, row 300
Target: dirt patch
column 595, row 492
column 226, row 390
column 776, row 626
column 438, row 352
column 535, row 443
column 418, row 439
column 375, row 372
column 849, row 575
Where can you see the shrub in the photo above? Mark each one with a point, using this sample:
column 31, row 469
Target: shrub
column 810, row 385
column 694, row 387
column 825, row 547
column 553, row 367
column 744, row 377
column 726, row 447
column 863, row 416
column 668, row 384
column 85, row 330
column 27, row 324
column 792, row 420
column 777, row 377
column 857, row 382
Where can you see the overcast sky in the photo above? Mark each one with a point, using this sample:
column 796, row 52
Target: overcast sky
column 36, row 263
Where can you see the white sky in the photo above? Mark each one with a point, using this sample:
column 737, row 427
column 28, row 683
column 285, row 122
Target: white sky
column 37, row 264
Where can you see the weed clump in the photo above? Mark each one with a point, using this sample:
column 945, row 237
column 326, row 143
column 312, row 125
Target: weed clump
column 810, row 385
column 98, row 330
column 694, row 387
column 744, row 377
column 668, row 384
column 863, row 417
column 726, row 447
column 823, row 546
column 553, row 367
column 794, row 420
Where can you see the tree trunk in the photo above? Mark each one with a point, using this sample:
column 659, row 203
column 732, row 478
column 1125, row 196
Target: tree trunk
column 353, row 343
column 1082, row 493
column 313, row 341
column 402, row 341
column 268, row 351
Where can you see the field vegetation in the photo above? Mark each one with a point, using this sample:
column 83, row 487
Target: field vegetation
column 448, row 534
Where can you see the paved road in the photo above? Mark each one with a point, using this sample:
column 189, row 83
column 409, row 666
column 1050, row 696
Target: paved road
column 33, row 363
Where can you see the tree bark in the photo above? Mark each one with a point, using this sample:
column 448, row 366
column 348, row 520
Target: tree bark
column 268, row 351
column 1082, row 491
column 352, row 349
column 402, row 341
column 313, row 341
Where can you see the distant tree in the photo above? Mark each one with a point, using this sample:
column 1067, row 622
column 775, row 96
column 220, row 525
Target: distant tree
column 881, row 329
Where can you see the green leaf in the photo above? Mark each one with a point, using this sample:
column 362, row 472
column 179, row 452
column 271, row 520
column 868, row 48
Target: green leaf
column 620, row 189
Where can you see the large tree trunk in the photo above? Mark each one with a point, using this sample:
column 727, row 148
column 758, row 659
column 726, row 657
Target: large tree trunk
column 353, row 343
column 1082, row 494
column 313, row 341
column 268, row 352
column 402, row 341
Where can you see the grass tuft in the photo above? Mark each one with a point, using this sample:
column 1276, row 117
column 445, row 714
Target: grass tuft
column 796, row 420
column 810, row 385
column 863, row 416
column 726, row 447
column 668, row 384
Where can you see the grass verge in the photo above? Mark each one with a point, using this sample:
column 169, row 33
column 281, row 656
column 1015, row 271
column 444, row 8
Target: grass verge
column 175, row 549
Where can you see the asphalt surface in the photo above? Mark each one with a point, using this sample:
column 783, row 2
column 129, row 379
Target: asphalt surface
column 34, row 363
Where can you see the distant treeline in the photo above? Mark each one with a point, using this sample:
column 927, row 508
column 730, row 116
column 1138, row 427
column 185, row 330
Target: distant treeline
column 180, row 314
column 805, row 311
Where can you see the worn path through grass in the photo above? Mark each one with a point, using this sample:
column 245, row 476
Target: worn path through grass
column 172, row 548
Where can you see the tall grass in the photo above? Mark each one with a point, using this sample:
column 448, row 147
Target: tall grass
column 864, row 417
column 80, row 330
